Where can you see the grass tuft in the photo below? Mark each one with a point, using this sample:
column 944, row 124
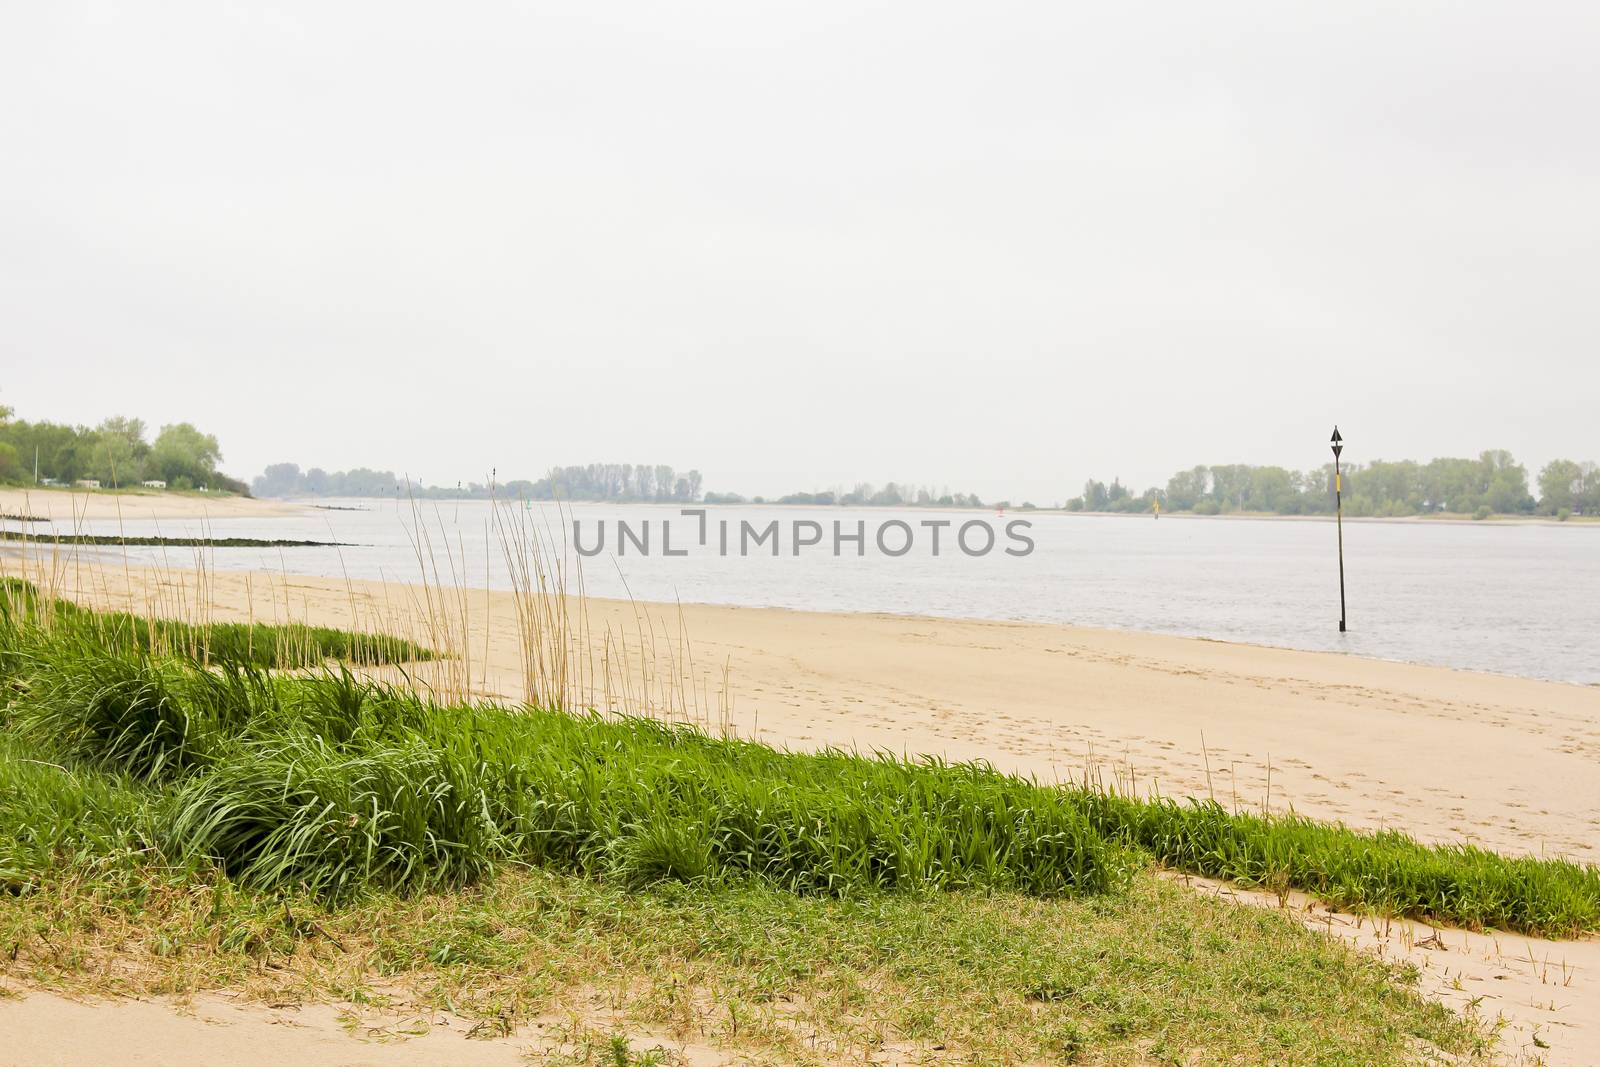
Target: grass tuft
column 26, row 613
column 1385, row 872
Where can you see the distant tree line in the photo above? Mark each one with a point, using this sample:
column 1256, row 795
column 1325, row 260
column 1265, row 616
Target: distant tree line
column 287, row 479
column 622, row 482
column 892, row 495
column 114, row 453
column 595, row 481
column 1494, row 483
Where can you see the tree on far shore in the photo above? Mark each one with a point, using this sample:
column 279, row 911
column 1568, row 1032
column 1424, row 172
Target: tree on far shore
column 114, row 453
column 1493, row 483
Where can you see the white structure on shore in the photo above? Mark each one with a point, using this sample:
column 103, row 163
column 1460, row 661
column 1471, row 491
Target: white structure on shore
column 153, row 483
column 87, row 483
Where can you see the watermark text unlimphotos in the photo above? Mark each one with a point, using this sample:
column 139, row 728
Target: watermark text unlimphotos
column 775, row 537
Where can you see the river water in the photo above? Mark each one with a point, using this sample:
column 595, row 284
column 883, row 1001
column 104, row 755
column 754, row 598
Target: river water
column 1520, row 599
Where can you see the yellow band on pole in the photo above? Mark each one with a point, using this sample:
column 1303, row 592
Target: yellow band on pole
column 1338, row 483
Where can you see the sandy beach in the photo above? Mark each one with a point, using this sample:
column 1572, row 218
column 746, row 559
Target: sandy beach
column 65, row 505
column 1445, row 755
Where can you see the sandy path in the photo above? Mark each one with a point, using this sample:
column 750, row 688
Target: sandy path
column 40, row 1029
column 1546, row 994
column 47, row 1030
column 61, row 505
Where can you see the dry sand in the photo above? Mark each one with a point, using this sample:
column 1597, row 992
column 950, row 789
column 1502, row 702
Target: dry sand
column 1446, row 755
column 64, row 505
column 40, row 1029
column 48, row 1030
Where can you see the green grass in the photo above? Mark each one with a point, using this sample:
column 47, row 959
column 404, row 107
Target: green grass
column 442, row 798
column 1386, row 873
column 336, row 785
column 55, row 627
column 171, row 823
column 1154, row 974
column 56, row 818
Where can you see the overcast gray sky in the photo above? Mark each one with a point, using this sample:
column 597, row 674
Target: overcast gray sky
column 997, row 246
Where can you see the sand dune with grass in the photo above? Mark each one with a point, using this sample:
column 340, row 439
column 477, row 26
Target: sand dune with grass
column 1447, row 756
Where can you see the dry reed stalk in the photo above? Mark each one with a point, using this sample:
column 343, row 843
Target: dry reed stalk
column 566, row 660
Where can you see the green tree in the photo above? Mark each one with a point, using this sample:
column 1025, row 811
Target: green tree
column 117, row 450
column 1389, row 488
column 1230, row 486
column 1452, row 484
column 181, row 452
column 1271, row 489
column 1560, row 485
column 1506, row 488
column 1187, row 488
column 1588, row 498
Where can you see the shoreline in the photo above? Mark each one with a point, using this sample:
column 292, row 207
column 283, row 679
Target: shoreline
column 137, row 503
column 20, row 552
column 63, row 504
column 1451, row 518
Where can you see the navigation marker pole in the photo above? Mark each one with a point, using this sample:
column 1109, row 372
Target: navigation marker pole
column 1338, row 510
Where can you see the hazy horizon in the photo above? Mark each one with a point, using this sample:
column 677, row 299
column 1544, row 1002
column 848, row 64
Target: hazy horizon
column 501, row 476
column 1000, row 250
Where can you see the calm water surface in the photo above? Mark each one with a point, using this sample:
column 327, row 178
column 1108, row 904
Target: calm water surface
column 1515, row 599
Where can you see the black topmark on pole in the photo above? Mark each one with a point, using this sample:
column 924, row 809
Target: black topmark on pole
column 1338, row 510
